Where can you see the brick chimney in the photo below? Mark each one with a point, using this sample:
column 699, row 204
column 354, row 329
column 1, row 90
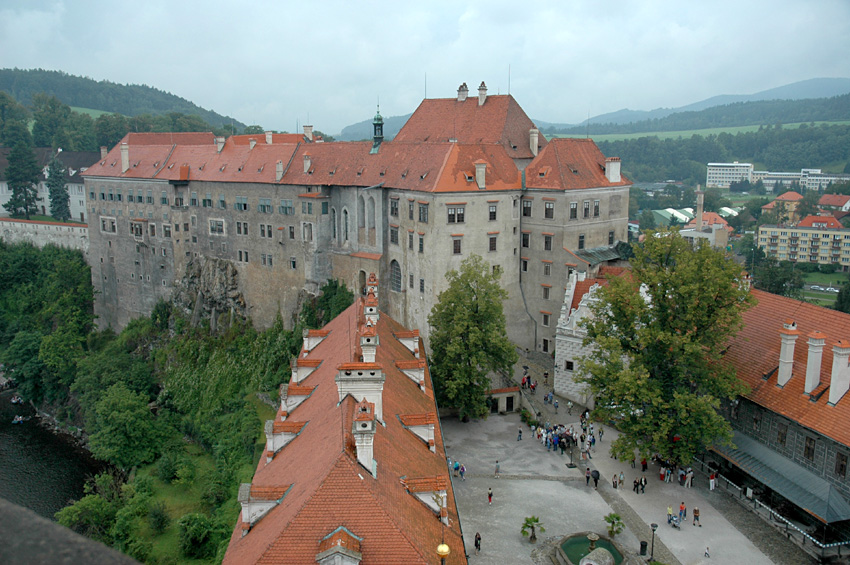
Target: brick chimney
column 462, row 93
column 362, row 381
column 308, row 132
column 612, row 169
column 788, row 334
column 219, row 144
column 533, row 135
column 103, row 151
column 813, row 362
column 278, row 171
column 125, row 156
column 481, row 174
column 369, row 342
column 840, row 380
column 482, row 93
column 364, row 433
column 269, row 137
column 700, row 206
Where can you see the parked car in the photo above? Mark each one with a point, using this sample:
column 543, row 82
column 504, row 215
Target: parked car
column 832, row 289
column 816, row 287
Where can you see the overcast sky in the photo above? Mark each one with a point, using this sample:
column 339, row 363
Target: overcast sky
column 279, row 64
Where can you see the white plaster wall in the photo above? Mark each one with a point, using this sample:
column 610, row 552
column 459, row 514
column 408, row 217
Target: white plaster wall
column 73, row 236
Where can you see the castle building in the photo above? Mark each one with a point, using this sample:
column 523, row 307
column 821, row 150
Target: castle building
column 253, row 224
column 354, row 469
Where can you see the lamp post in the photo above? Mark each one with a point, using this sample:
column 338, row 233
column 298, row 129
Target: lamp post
column 654, row 527
column 443, row 551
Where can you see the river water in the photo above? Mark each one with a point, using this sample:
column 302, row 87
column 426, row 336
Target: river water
column 39, row 470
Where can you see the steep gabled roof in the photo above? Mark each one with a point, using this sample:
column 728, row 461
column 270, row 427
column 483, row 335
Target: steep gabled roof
column 820, row 222
column 330, row 488
column 790, row 196
column 834, row 200
column 500, row 120
column 567, row 163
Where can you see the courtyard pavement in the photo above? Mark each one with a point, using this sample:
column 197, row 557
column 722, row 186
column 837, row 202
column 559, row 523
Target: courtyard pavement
column 536, row 482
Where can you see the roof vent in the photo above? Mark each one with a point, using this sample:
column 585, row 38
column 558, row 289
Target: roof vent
column 482, row 93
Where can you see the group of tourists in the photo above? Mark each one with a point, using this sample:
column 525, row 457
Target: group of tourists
column 528, row 383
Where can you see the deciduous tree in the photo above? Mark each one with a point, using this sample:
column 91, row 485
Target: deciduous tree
column 656, row 337
column 468, row 337
column 124, row 432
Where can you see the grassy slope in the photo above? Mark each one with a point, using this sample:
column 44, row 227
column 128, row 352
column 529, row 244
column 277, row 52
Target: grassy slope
column 687, row 133
column 93, row 113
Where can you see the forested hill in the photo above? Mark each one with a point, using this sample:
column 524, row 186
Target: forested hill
column 764, row 112
column 125, row 99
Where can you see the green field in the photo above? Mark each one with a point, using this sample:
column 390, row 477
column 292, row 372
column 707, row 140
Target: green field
column 688, row 133
column 93, row 113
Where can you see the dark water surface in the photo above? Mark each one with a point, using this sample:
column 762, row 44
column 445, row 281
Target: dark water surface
column 38, row 469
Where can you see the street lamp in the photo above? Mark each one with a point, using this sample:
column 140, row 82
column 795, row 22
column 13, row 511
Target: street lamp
column 443, row 551
column 654, row 527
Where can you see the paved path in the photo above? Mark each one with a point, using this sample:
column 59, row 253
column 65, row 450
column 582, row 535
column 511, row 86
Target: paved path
column 536, row 482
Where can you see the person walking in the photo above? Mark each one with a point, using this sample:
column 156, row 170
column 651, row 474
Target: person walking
column 669, row 513
column 570, row 407
column 622, row 478
column 643, row 465
column 614, row 481
column 489, row 496
column 643, row 485
column 462, row 472
column 635, row 486
column 457, row 469
column 712, row 478
column 601, row 431
column 519, row 435
column 696, row 517
column 706, row 552
column 556, row 406
column 477, row 543
column 496, row 475
column 587, row 476
column 683, row 511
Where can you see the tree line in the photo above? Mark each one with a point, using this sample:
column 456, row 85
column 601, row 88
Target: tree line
column 759, row 112
column 778, row 149
column 173, row 402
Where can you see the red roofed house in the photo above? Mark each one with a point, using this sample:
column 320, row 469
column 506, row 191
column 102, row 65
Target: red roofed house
column 835, row 202
column 785, row 205
column 254, row 224
column 354, row 470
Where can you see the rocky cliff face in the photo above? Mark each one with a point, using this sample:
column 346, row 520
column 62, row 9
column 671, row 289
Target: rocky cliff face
column 210, row 287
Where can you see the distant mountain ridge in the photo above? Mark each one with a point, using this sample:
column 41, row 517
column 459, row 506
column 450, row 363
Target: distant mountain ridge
column 126, row 99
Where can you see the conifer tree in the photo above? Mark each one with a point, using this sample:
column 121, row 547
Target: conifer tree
column 22, row 177
column 59, row 199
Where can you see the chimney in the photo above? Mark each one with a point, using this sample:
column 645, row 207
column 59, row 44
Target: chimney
column 278, row 171
column 533, row 134
column 364, row 433
column 813, row 363
column 307, row 162
column 369, row 342
column 788, row 334
column 612, row 169
column 362, row 381
column 480, row 174
column 700, row 206
column 125, row 156
column 269, row 138
column 308, row 132
column 219, row 144
column 840, row 380
column 462, row 93
column 103, row 151
column 251, row 143
column 482, row 93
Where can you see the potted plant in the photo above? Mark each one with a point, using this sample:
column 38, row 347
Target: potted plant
column 530, row 527
column 615, row 524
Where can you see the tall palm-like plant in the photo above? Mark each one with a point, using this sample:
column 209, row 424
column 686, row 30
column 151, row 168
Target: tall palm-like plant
column 529, row 527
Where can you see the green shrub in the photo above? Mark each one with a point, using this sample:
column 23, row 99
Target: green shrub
column 158, row 517
column 195, row 536
column 166, row 468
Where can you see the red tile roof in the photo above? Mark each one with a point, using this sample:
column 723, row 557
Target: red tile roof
column 503, row 390
column 500, row 120
column 790, row 196
column 419, row 419
column 824, row 222
column 755, row 353
column 567, row 163
column 331, row 489
column 833, row 200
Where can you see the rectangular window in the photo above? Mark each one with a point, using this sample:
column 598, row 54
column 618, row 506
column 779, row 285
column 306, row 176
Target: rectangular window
column 149, row 197
column 193, row 199
column 111, row 195
column 526, row 208
column 546, row 320
column 581, row 241
column 546, row 290
column 265, row 206
column 421, row 285
column 163, row 199
column 568, row 365
column 166, row 230
column 410, row 241
column 286, row 208
column 207, row 203
column 292, row 263
column 596, row 208
column 782, row 434
column 586, row 212
column 423, row 213
column 809, row 449
column 547, row 243
column 118, row 196
column 610, row 238
column 841, row 464
column 410, row 210
column 545, row 346
column 394, row 235
column 421, row 243
column 216, row 227
column 526, row 238
column 394, row 208
column 241, row 204
column 492, row 243
column 222, row 203
column 456, row 214
column 523, row 265
column 410, row 284
column 456, row 247
column 291, row 232
column 152, row 230
column 549, row 210
column 547, row 269
column 492, row 212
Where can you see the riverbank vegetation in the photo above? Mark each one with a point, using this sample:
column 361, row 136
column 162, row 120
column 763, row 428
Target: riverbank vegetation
column 176, row 410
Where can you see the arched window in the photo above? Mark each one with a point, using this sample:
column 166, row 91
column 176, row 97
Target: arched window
column 345, row 225
column 333, row 223
column 395, row 276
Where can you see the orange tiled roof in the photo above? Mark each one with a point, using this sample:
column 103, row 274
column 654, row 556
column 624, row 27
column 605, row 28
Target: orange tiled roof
column 340, row 538
column 296, row 390
column 503, row 390
column 567, row 163
column 833, row 200
column 419, row 419
column 287, row 426
column 411, row 363
column 825, row 222
column 790, row 196
column 308, row 362
column 318, row 333
column 755, row 353
column 426, row 484
column 331, row 489
column 268, row 493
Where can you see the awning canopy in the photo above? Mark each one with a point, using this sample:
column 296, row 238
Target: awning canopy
column 810, row 492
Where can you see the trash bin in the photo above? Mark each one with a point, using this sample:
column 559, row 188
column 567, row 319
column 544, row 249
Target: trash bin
column 643, row 548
